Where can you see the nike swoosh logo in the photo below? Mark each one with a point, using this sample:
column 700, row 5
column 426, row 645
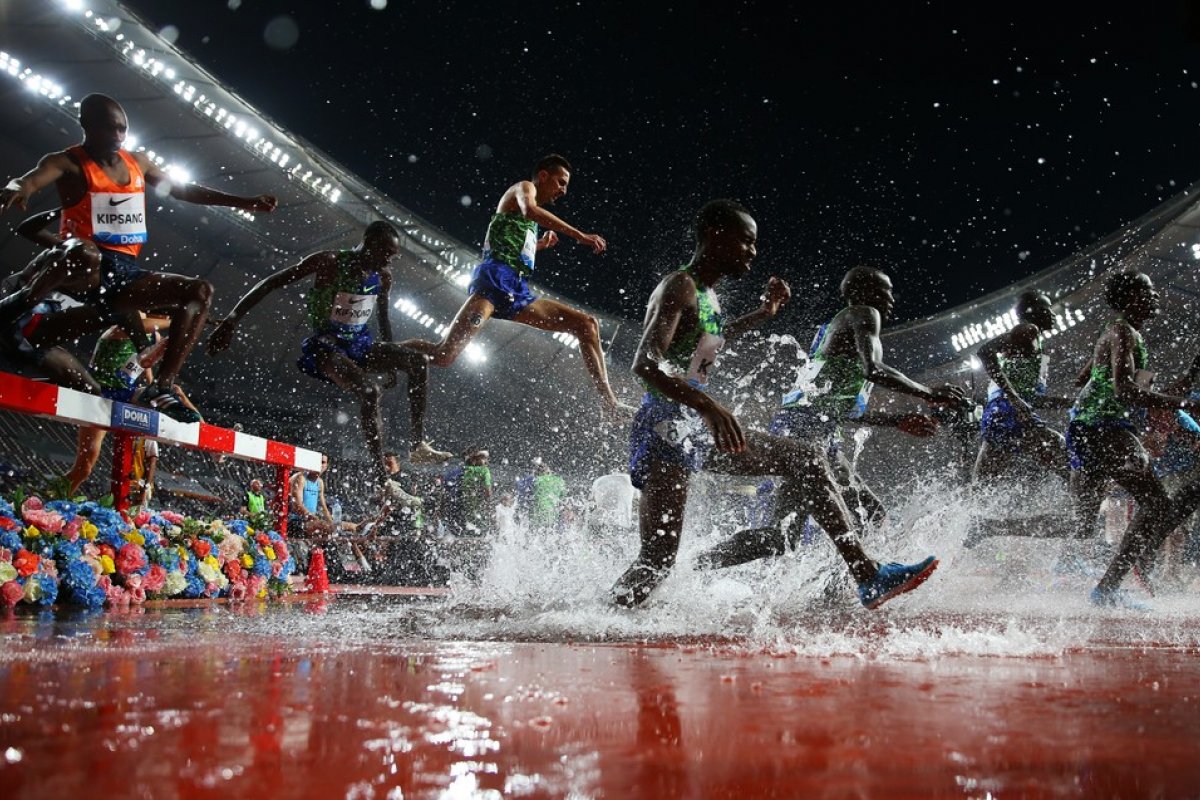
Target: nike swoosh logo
column 359, row 300
column 112, row 202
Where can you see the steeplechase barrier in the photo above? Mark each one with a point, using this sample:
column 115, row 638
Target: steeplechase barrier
column 126, row 421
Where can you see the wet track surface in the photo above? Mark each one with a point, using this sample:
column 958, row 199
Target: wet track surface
column 348, row 698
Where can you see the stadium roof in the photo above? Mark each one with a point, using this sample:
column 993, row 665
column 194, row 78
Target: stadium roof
column 53, row 53
column 498, row 395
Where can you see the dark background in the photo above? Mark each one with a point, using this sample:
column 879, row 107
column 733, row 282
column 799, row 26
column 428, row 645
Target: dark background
column 960, row 146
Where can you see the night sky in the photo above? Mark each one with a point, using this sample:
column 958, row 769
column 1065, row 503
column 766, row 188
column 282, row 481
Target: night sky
column 960, row 146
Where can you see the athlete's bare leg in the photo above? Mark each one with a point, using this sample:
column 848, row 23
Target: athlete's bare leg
column 808, row 487
column 387, row 356
column 87, row 453
column 550, row 315
column 57, row 363
column 348, row 375
column 470, row 319
column 185, row 300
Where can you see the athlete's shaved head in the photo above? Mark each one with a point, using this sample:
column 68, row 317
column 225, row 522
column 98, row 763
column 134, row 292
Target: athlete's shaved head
column 868, row 286
column 1122, row 287
column 719, row 215
column 1030, row 298
column 861, row 282
column 381, row 228
column 1035, row 307
column 96, row 108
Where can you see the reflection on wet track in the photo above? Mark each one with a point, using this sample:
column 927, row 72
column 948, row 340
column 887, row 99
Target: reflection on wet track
column 272, row 701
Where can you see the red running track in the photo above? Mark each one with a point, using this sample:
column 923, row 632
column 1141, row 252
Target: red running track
column 174, row 704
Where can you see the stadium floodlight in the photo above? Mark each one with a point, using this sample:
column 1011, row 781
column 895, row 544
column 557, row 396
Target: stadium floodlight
column 475, row 352
column 179, row 174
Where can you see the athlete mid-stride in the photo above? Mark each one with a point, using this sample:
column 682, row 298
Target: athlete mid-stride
column 102, row 190
column 680, row 428
column 349, row 287
column 498, row 286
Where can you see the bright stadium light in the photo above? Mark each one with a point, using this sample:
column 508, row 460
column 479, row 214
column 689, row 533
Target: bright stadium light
column 979, row 332
column 179, row 174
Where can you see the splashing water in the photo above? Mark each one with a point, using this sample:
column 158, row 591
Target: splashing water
column 999, row 599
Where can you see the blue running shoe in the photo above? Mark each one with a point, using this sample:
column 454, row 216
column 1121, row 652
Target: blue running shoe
column 893, row 579
column 1115, row 598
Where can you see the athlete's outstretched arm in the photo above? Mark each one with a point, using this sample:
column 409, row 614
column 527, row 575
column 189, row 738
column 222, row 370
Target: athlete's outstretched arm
column 222, row 337
column 526, row 197
column 202, row 195
column 18, row 191
column 865, row 324
column 775, row 297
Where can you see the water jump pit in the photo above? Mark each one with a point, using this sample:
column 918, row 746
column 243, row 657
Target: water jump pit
column 391, row 695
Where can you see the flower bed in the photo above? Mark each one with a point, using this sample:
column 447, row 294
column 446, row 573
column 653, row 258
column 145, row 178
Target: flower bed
column 84, row 554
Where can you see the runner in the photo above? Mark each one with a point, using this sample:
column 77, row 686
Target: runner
column 348, row 286
column 834, row 387
column 120, row 371
column 498, row 287
column 1015, row 442
column 680, row 428
column 1103, row 439
column 1012, row 432
column 102, row 189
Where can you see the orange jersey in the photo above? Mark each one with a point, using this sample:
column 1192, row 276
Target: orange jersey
column 111, row 215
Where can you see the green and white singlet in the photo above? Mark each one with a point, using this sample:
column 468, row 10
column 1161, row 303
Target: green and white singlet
column 1097, row 402
column 345, row 307
column 511, row 239
column 833, row 386
column 694, row 355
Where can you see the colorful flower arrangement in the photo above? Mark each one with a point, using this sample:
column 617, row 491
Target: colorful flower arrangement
column 85, row 554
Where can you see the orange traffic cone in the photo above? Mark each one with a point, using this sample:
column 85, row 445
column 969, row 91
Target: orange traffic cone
column 318, row 579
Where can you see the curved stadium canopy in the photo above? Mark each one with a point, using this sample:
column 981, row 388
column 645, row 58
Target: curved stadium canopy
column 499, row 394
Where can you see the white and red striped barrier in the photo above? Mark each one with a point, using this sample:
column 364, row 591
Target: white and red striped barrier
column 79, row 408
column 38, row 398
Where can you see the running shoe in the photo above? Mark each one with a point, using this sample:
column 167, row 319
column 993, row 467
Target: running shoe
column 393, row 494
column 168, row 402
column 424, row 453
column 1115, row 598
column 893, row 579
column 632, row 588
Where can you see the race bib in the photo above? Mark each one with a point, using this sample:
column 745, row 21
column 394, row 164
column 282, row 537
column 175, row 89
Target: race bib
column 119, row 218
column 704, row 360
column 131, row 370
column 806, row 383
column 529, row 248
column 352, row 309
